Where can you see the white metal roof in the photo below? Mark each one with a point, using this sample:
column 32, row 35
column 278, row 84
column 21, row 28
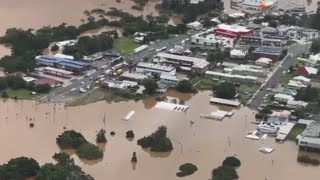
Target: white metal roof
column 197, row 62
column 301, row 78
column 155, row 66
column 58, row 70
column 225, row 101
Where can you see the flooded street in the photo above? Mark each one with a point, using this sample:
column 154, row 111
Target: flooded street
column 205, row 143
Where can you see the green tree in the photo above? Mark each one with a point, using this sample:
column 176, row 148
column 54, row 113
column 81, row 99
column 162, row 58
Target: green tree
column 231, row 161
column 70, row 139
column 3, row 84
column 185, row 86
column 224, row 173
column 187, row 169
column 45, row 88
column 307, row 94
column 4, row 94
column 315, row 46
column 150, row 86
column 157, row 141
column 225, row 90
column 15, row 82
column 129, row 134
column 19, row 168
column 89, row 151
column 101, row 136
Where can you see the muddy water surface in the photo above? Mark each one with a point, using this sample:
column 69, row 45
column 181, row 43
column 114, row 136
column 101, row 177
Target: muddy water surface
column 204, row 143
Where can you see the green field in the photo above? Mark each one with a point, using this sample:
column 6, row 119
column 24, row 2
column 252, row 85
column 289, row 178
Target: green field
column 21, row 94
column 125, row 45
column 296, row 130
column 205, row 83
column 286, row 78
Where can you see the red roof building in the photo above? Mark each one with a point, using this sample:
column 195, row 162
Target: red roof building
column 43, row 81
column 232, row 30
column 307, row 71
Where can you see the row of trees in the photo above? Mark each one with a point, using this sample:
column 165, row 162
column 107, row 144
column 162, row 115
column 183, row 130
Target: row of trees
column 23, row 168
column 75, row 140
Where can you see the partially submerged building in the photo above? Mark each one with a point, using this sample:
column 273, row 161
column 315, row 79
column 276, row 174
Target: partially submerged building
column 310, row 137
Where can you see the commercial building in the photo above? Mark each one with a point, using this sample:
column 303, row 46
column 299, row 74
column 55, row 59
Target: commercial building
column 225, row 102
column 169, row 80
column 133, row 76
column 258, row 5
column 57, row 72
column 310, row 137
column 273, row 53
column 233, row 77
column 296, row 32
column 196, row 64
column 232, row 31
column 207, row 38
column 195, row 25
column 158, row 69
column 61, row 63
column 294, row 8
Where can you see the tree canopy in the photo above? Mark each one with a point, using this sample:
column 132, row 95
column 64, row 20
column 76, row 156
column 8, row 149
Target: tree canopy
column 150, row 86
column 89, row 151
column 70, row 139
column 157, row 141
column 185, row 86
column 307, row 94
column 19, row 168
column 315, row 46
column 224, row 173
column 231, row 161
column 225, row 90
column 101, row 136
column 187, row 169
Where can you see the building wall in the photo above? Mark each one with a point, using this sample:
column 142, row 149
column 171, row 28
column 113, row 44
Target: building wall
column 201, row 70
column 145, row 70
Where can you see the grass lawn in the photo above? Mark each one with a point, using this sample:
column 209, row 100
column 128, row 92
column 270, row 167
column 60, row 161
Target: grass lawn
column 251, row 88
column 125, row 45
column 286, row 78
column 21, row 94
column 296, row 130
column 206, row 84
column 117, row 96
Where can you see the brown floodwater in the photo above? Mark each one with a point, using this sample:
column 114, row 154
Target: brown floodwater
column 35, row 14
column 205, row 143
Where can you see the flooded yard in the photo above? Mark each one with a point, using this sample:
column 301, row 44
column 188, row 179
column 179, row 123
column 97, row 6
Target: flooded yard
column 204, row 143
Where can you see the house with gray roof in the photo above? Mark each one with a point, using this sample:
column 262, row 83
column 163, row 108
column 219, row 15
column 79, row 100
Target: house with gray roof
column 310, row 137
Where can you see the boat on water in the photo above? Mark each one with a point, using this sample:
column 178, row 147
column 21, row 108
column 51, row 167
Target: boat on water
column 269, row 128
